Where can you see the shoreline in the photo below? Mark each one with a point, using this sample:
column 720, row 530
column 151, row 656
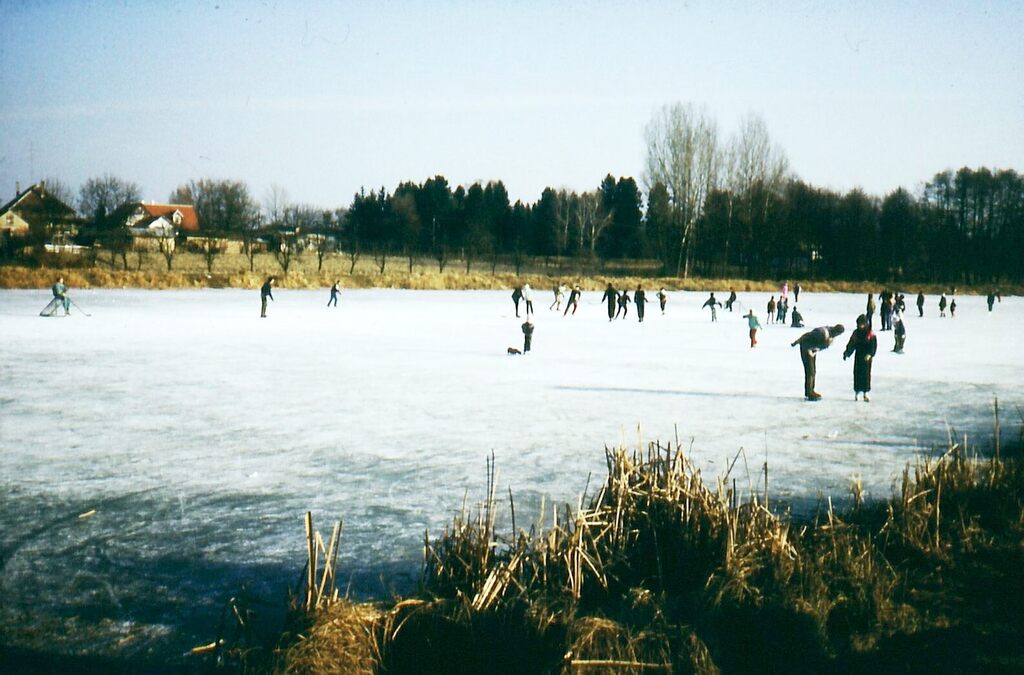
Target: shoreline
column 19, row 277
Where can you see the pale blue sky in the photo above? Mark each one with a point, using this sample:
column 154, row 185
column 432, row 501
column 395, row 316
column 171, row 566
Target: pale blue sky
column 324, row 98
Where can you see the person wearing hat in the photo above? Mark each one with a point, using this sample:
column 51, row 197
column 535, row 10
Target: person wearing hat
column 862, row 345
column 811, row 343
column 527, row 335
column 754, row 325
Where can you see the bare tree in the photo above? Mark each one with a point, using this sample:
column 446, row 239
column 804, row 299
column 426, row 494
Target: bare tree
column 683, row 154
column 275, row 204
column 591, row 221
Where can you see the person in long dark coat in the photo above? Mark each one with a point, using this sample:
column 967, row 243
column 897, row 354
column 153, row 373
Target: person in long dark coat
column 862, row 345
column 623, row 304
column 611, row 296
column 920, row 304
column 639, row 300
column 527, row 335
column 517, row 295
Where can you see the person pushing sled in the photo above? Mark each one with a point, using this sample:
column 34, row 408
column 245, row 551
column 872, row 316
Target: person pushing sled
column 60, row 300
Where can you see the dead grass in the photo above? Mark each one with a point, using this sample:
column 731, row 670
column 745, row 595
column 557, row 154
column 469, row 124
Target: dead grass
column 232, row 271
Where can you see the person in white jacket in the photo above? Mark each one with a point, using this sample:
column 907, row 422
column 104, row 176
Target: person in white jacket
column 528, row 297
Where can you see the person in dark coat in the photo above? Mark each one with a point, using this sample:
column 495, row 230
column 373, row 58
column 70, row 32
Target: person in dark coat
column 862, row 345
column 942, row 305
column 265, row 292
column 731, row 300
column 611, row 296
column 920, row 304
column 796, row 293
column 527, row 335
column 869, row 310
column 574, row 300
column 712, row 303
column 60, row 293
column 952, row 308
column 517, row 295
column 334, row 294
column 991, row 300
column 639, row 300
column 623, row 304
column 811, row 343
column 771, row 309
column 900, row 333
column 798, row 318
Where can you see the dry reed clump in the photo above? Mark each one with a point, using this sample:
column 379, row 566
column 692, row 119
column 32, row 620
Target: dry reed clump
column 340, row 640
column 659, row 572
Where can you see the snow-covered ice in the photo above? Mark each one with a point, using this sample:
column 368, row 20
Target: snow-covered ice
column 200, row 433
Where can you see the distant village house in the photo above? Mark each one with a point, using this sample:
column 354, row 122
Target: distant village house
column 36, row 217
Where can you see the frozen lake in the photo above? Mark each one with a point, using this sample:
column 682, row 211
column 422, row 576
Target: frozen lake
column 200, row 434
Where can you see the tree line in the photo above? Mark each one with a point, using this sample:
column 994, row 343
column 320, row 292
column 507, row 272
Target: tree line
column 707, row 206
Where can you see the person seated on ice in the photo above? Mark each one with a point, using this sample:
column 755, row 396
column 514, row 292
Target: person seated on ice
column 900, row 332
column 798, row 318
column 712, row 303
column 811, row 343
column 623, row 304
column 527, row 335
column 60, row 292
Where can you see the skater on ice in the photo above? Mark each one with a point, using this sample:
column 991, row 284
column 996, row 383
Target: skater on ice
column 731, row 300
column 783, row 309
column 528, row 297
column 517, row 295
column 990, row 300
column 771, row 309
column 559, row 292
column 862, row 346
column 334, row 294
column 754, row 325
column 265, row 292
column 60, row 299
column 639, row 300
column 527, row 335
column 869, row 311
column 796, row 293
column 900, row 333
column 713, row 304
column 574, row 300
column 662, row 299
column 611, row 296
column 920, row 304
column 811, row 343
column 952, row 308
column 942, row 305
column 623, row 304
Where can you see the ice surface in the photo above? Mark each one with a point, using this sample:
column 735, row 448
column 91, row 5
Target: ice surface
column 201, row 433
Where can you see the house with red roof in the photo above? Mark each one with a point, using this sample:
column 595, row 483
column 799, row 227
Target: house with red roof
column 151, row 224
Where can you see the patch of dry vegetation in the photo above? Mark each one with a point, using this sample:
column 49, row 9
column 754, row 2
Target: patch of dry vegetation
column 233, row 271
column 658, row 572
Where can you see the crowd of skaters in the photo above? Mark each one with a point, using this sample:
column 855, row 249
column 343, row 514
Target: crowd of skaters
column 862, row 345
